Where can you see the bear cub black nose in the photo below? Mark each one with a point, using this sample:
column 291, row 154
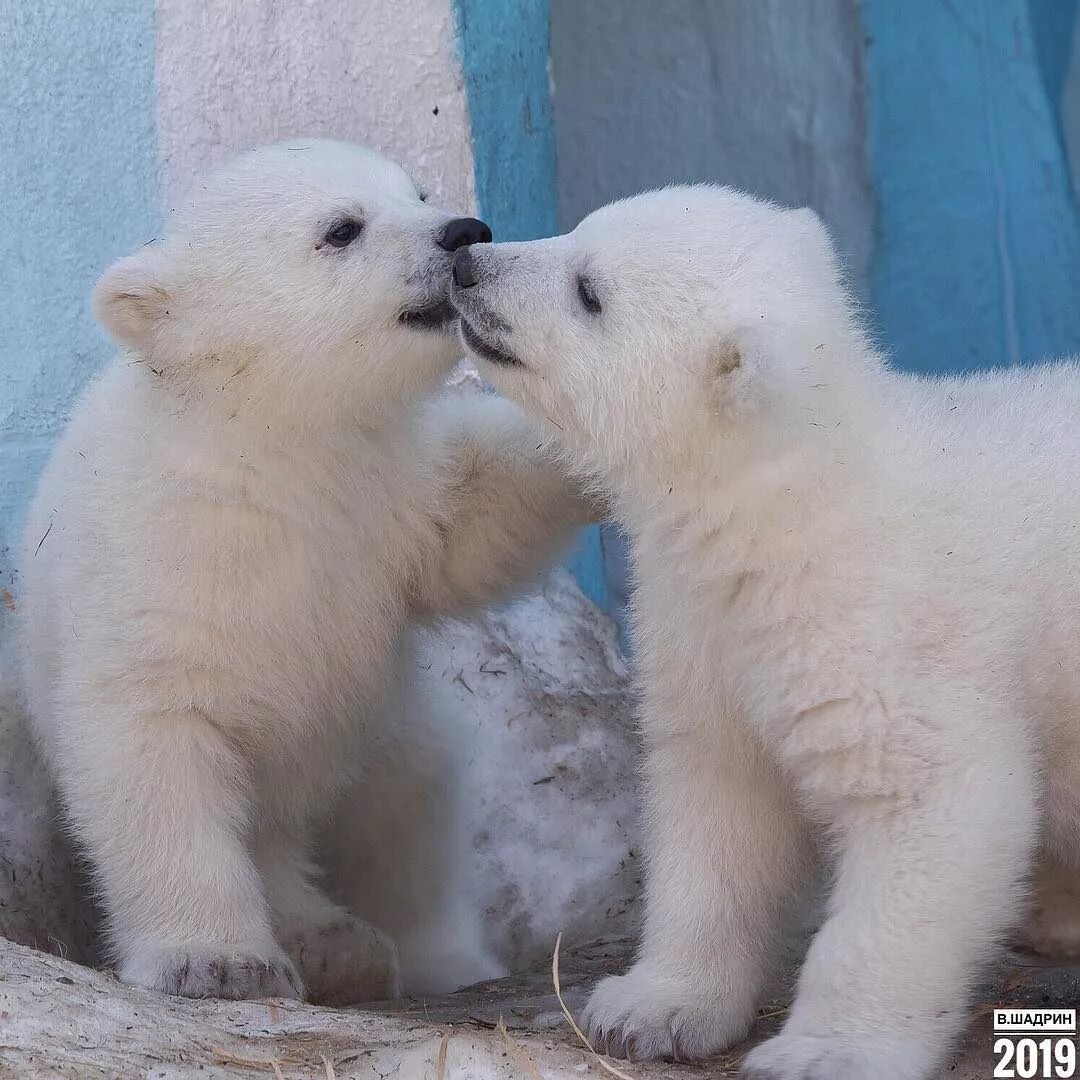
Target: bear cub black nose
column 463, row 231
column 464, row 269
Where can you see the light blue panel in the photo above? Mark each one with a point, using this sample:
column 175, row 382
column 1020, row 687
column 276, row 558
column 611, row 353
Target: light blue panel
column 504, row 56
column 977, row 260
column 77, row 188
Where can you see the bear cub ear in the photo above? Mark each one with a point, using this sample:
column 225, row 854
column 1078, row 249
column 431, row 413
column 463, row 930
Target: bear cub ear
column 809, row 236
column 132, row 297
column 736, row 371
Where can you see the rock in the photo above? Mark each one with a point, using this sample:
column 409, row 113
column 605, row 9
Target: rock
column 542, row 692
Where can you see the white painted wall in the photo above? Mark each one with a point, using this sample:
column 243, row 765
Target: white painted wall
column 232, row 74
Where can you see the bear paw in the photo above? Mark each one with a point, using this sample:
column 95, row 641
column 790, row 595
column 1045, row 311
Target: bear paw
column 345, row 962
column 231, row 972
column 836, row 1057
column 646, row 1014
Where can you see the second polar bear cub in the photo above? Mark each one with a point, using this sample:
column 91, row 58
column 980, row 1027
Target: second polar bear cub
column 853, row 616
column 251, row 507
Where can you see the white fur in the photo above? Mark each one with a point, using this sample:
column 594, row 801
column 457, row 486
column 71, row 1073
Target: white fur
column 856, row 621
column 251, row 507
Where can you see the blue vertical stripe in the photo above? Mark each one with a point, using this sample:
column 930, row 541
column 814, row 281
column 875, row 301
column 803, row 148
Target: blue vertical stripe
column 504, row 58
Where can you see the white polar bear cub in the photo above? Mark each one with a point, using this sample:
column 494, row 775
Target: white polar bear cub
column 250, row 508
column 856, row 614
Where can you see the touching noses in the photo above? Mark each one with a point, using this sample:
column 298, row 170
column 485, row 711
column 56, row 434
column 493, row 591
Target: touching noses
column 464, row 270
column 463, row 231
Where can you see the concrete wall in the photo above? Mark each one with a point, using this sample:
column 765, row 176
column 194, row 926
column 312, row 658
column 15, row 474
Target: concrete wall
column 1070, row 109
column 231, row 75
column 766, row 96
column 934, row 138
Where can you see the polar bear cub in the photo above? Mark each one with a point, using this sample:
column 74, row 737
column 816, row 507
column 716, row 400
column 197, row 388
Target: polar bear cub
column 855, row 618
column 251, row 507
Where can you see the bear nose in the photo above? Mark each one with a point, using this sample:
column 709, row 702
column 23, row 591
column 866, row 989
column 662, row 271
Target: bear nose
column 463, row 231
column 464, row 271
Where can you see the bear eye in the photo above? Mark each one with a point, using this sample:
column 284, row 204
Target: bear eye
column 587, row 295
column 343, row 233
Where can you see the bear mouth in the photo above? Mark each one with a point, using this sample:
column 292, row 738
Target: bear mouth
column 435, row 316
column 485, row 349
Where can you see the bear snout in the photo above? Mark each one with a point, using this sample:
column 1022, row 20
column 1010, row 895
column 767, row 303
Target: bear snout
column 463, row 231
column 464, row 271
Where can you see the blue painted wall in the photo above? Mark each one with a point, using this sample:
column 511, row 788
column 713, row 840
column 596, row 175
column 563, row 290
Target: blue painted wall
column 977, row 245
column 77, row 188
column 504, row 58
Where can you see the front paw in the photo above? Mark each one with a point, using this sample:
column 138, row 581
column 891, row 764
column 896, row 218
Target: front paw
column 647, row 1014
column 837, row 1057
column 345, row 962
column 232, row 972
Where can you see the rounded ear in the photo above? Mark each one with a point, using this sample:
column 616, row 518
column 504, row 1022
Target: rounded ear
column 132, row 297
column 812, row 239
column 737, row 371
column 809, row 224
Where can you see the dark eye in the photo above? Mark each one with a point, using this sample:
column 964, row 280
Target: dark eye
column 343, row 233
column 422, row 196
column 587, row 295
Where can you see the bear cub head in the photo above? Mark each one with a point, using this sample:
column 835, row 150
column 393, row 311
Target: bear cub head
column 665, row 326
column 315, row 267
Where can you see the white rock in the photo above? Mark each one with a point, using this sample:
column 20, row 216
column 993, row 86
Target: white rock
column 543, row 692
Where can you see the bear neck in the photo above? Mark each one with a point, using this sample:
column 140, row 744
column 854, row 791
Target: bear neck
column 786, row 468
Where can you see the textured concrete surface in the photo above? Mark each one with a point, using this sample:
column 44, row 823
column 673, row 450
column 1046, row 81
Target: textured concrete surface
column 1070, row 109
column 542, row 698
column 766, row 96
column 233, row 75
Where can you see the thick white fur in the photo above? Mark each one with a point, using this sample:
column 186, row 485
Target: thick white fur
column 251, row 507
column 856, row 623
